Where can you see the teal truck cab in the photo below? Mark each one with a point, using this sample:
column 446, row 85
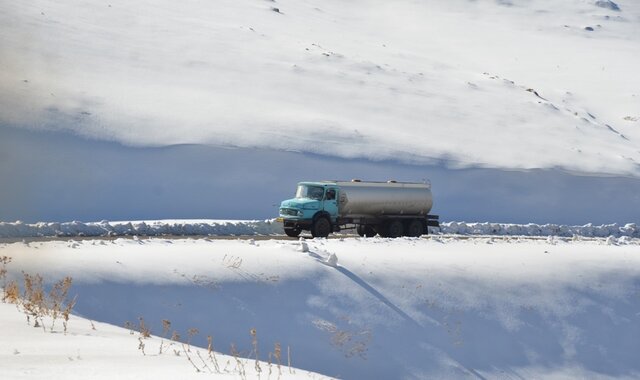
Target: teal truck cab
column 389, row 208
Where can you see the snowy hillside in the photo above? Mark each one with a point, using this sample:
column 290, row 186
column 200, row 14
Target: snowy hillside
column 96, row 350
column 444, row 307
column 503, row 84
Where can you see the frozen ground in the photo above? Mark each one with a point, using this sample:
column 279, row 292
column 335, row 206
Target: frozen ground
column 507, row 308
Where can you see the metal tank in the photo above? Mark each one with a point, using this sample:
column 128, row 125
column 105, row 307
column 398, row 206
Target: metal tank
column 361, row 199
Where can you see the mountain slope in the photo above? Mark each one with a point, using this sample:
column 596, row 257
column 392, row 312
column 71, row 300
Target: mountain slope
column 506, row 84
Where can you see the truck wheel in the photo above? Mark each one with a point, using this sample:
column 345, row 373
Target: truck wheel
column 321, row 228
column 366, row 231
column 415, row 228
column 292, row 232
column 395, row 228
column 392, row 229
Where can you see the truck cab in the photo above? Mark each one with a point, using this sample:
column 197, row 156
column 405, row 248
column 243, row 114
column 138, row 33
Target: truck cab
column 314, row 205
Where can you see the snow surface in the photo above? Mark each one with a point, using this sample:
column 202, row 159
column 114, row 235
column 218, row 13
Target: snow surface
column 271, row 227
column 127, row 110
column 442, row 307
column 505, row 84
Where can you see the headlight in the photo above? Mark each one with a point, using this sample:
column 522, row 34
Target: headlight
column 300, row 213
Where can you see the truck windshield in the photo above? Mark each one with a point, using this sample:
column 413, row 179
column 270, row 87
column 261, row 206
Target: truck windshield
column 307, row 191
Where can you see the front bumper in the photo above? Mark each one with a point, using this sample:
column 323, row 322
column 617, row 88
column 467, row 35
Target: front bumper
column 294, row 224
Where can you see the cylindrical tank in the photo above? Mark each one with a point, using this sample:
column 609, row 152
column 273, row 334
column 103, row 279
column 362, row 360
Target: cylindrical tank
column 384, row 198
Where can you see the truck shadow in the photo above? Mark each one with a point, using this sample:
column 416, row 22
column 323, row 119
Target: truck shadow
column 371, row 290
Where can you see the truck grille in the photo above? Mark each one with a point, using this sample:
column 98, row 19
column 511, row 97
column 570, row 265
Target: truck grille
column 288, row 211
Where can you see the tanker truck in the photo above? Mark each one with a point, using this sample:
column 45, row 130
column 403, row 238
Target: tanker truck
column 390, row 209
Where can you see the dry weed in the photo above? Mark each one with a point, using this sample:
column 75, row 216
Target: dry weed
column 66, row 312
column 278, row 356
column 190, row 334
column 142, row 328
column 58, row 301
column 11, row 292
column 144, row 334
column 187, row 348
column 166, row 326
column 239, row 363
column 4, row 260
column 254, row 344
column 33, row 302
column 212, row 354
column 129, row 326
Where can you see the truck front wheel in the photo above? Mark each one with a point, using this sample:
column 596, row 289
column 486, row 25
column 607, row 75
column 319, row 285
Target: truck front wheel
column 292, row 232
column 321, row 228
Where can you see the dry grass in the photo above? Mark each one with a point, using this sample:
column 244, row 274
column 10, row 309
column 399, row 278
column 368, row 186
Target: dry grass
column 34, row 301
column 278, row 356
column 289, row 359
column 212, row 354
column 190, row 334
column 254, row 345
column 166, row 326
column 59, row 304
column 144, row 334
column 11, row 292
column 239, row 363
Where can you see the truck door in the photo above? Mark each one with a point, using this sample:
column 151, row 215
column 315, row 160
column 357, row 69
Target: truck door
column 331, row 202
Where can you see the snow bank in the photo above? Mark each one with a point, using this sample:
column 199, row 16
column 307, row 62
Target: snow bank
column 531, row 229
column 271, row 227
column 142, row 228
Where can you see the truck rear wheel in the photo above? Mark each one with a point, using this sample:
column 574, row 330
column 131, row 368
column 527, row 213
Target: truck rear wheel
column 415, row 228
column 392, row 229
column 366, row 231
column 321, row 228
column 395, row 228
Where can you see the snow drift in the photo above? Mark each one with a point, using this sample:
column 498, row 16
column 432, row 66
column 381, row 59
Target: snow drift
column 271, row 227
